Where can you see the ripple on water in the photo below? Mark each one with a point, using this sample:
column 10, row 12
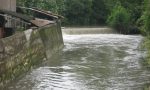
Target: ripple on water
column 91, row 62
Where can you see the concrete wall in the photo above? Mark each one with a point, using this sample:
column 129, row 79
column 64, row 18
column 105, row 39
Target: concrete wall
column 52, row 39
column 20, row 52
column 8, row 5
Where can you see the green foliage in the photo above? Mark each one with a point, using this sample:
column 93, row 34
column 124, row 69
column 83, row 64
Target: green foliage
column 86, row 12
column 119, row 19
column 55, row 6
column 78, row 12
column 146, row 18
column 146, row 45
column 134, row 7
column 99, row 12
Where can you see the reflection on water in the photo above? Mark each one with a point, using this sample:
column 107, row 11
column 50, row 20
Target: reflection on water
column 91, row 62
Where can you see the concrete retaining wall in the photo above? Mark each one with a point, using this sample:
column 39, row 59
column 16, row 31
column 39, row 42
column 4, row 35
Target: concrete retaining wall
column 20, row 52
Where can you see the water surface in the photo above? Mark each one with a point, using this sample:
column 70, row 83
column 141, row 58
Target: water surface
column 91, row 62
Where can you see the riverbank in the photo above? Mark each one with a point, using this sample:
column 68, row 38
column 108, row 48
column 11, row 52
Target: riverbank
column 147, row 46
column 25, row 49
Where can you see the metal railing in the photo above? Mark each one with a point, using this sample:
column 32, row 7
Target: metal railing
column 15, row 23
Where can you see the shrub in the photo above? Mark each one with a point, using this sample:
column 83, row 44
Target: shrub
column 119, row 19
column 146, row 18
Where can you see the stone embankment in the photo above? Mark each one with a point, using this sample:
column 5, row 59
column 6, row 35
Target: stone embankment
column 21, row 51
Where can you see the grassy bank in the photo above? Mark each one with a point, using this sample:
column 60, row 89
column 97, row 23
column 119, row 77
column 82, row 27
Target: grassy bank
column 147, row 46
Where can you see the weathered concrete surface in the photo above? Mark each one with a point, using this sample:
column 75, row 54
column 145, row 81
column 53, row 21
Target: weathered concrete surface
column 8, row 5
column 20, row 52
column 52, row 39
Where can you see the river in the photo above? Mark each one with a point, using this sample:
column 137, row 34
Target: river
column 91, row 62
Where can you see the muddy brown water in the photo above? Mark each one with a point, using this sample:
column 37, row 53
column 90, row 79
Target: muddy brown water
column 91, row 62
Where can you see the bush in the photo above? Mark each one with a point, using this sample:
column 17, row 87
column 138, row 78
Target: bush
column 119, row 19
column 146, row 18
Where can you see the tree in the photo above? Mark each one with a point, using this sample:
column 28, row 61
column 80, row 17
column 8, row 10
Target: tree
column 78, row 11
column 99, row 12
column 119, row 19
column 49, row 5
column 134, row 7
column 60, row 6
column 86, row 12
column 146, row 18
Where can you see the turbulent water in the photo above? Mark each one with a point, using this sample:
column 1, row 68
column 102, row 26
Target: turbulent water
column 91, row 62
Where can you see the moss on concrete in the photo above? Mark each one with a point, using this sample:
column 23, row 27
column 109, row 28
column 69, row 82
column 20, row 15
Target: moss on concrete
column 19, row 55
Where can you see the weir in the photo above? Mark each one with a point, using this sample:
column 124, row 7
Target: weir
column 88, row 30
